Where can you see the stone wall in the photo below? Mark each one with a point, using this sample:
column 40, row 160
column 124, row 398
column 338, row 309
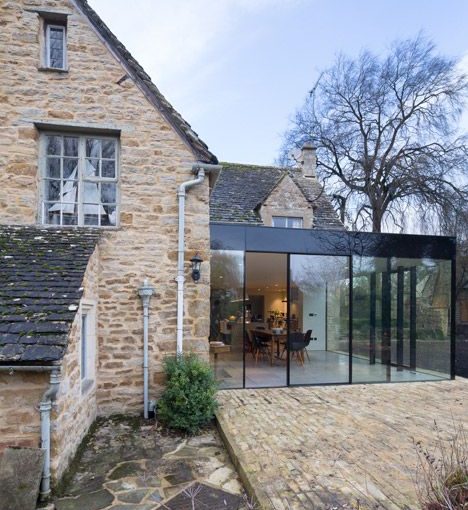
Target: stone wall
column 153, row 162
column 287, row 200
column 20, row 394
column 75, row 408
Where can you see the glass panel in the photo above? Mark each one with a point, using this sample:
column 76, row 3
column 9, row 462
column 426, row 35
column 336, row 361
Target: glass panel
column 56, row 49
column 401, row 319
column 109, row 217
column 279, row 221
column 52, row 191
column 265, row 320
column 295, row 222
column 54, row 145
column 70, row 168
column 91, row 168
column 108, row 193
column 91, row 213
column 319, row 325
column 108, row 168
column 226, row 327
column 53, row 168
column 93, row 148
column 70, row 144
column 108, row 149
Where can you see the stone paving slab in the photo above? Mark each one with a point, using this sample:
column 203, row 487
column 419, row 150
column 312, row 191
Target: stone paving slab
column 130, row 465
column 337, row 447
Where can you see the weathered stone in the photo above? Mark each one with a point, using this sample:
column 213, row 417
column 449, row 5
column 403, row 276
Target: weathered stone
column 91, row 501
column 135, row 496
column 126, row 469
column 20, row 477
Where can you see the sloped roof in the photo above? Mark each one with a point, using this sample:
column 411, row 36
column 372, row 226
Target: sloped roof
column 41, row 273
column 240, row 189
column 137, row 72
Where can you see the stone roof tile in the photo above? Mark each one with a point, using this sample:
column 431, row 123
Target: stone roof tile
column 41, row 271
column 241, row 189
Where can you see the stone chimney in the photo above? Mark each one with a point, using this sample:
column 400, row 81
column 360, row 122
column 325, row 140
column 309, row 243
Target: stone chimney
column 309, row 160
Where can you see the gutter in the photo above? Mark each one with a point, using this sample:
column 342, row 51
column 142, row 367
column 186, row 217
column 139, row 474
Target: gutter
column 45, row 408
column 199, row 169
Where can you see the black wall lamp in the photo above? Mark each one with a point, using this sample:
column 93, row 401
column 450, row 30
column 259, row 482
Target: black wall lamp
column 196, row 265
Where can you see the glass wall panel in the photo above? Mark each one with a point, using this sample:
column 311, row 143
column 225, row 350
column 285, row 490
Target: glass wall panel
column 401, row 319
column 319, row 308
column 227, row 310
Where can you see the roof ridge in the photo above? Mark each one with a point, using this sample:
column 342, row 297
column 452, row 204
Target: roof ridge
column 182, row 127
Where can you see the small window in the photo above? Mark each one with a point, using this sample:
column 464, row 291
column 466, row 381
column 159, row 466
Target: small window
column 287, row 222
column 80, row 180
column 87, row 346
column 55, row 46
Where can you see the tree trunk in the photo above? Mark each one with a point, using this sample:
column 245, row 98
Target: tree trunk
column 376, row 220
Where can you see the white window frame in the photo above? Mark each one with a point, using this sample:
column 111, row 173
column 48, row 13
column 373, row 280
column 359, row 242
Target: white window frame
column 42, row 212
column 89, row 344
column 63, row 28
column 289, row 220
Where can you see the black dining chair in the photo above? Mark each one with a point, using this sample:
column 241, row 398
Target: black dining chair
column 259, row 346
column 307, row 339
column 297, row 346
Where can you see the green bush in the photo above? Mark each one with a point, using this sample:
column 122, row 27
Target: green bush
column 188, row 402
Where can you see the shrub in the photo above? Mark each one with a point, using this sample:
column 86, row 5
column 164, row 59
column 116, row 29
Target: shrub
column 188, row 402
column 442, row 477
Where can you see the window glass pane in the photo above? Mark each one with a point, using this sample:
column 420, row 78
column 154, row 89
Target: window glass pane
column 54, row 145
column 295, row 222
column 319, row 308
column 109, row 217
column 108, row 193
column 91, row 213
column 56, row 49
column 70, row 146
column 53, row 168
column 226, row 328
column 108, row 168
column 93, row 148
column 108, row 149
column 69, row 219
column 70, row 168
column 52, row 191
column 91, row 192
column 91, row 168
column 401, row 326
column 279, row 221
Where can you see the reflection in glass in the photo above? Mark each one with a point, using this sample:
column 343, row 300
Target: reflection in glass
column 401, row 319
column 226, row 327
column 319, row 310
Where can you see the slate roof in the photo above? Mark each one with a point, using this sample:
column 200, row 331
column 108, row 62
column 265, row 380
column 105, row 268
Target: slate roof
column 240, row 190
column 142, row 78
column 41, row 273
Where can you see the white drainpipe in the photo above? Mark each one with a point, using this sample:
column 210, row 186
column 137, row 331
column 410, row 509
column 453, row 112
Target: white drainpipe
column 145, row 292
column 199, row 169
column 45, row 407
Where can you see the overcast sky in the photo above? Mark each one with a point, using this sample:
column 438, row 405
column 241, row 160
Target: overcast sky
column 238, row 69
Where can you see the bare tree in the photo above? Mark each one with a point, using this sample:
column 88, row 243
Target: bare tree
column 386, row 134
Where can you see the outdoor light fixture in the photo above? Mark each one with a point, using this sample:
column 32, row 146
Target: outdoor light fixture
column 196, row 264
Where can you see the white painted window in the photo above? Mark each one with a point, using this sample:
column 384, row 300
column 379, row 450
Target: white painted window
column 87, row 350
column 55, row 46
column 287, row 221
column 80, row 180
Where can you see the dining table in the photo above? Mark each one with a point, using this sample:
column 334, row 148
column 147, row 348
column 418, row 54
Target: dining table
column 274, row 339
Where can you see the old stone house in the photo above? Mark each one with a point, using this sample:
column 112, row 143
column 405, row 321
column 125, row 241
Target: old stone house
column 87, row 141
column 106, row 194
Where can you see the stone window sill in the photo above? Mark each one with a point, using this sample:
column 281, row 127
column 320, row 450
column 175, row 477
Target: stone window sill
column 53, row 70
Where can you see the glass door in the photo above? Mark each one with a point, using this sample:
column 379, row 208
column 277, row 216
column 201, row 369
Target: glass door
column 266, row 320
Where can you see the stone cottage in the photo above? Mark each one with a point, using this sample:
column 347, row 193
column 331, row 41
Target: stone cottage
column 88, row 143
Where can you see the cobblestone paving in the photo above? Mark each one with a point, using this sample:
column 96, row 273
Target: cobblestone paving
column 337, row 447
column 128, row 465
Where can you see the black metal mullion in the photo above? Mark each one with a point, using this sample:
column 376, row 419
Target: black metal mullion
column 350, row 320
column 400, row 303
column 243, row 319
column 288, row 314
column 386, row 319
column 412, row 318
column 372, row 316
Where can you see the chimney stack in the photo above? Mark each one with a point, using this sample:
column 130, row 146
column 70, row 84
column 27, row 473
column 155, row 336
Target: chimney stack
column 309, row 160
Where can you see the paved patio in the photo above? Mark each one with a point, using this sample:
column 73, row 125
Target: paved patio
column 336, row 447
